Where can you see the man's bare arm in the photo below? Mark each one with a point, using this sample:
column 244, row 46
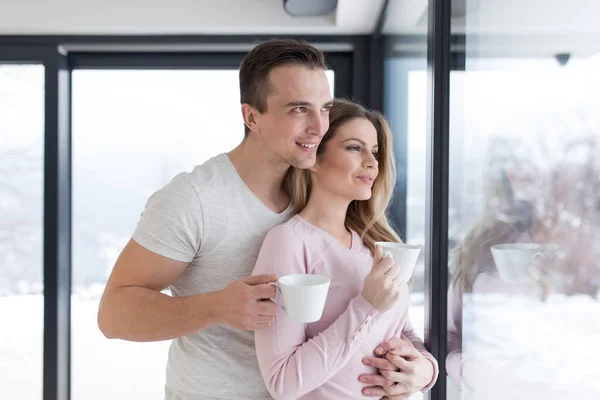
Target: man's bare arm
column 133, row 307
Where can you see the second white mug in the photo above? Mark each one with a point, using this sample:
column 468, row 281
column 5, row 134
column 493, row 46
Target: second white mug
column 405, row 256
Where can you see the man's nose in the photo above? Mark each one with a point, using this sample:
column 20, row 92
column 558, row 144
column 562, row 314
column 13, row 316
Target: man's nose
column 318, row 124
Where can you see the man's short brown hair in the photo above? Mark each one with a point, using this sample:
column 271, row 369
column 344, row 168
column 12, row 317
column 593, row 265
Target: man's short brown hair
column 262, row 59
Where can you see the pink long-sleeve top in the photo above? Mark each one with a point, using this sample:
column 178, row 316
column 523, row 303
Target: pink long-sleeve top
column 323, row 360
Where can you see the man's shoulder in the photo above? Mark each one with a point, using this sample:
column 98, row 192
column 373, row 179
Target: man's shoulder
column 204, row 177
column 215, row 169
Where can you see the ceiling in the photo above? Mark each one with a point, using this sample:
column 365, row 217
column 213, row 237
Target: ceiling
column 180, row 17
column 492, row 26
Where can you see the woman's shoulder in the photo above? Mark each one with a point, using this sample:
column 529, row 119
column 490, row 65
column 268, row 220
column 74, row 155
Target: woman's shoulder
column 299, row 227
column 293, row 230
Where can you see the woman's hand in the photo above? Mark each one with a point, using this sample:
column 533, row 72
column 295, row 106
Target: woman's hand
column 403, row 371
column 380, row 287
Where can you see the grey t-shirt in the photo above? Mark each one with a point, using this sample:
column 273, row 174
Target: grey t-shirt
column 212, row 220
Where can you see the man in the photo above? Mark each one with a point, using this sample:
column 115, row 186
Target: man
column 201, row 233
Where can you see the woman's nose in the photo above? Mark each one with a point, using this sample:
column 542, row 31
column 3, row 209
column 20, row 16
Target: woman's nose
column 370, row 162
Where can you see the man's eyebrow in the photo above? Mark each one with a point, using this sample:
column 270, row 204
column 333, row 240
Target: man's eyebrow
column 299, row 104
column 306, row 104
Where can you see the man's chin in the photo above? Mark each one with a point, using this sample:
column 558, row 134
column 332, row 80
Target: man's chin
column 304, row 163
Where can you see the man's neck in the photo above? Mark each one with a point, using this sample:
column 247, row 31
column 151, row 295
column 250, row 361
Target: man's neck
column 262, row 175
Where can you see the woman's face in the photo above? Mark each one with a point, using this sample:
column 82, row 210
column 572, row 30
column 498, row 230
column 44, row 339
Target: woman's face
column 348, row 165
column 523, row 181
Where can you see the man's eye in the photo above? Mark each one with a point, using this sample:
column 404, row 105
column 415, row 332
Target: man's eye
column 299, row 109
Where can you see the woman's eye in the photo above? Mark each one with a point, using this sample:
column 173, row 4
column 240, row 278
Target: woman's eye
column 354, row 148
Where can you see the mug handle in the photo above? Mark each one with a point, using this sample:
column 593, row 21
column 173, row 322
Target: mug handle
column 279, row 290
column 537, row 256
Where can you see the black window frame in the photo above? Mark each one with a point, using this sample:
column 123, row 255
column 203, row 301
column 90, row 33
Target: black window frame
column 56, row 211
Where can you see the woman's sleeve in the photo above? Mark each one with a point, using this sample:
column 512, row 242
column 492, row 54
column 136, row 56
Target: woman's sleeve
column 291, row 365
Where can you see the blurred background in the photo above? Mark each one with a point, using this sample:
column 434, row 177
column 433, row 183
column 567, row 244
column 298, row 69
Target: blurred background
column 102, row 103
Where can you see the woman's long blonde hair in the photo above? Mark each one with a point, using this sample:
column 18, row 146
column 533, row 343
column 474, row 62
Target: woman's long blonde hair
column 503, row 218
column 366, row 217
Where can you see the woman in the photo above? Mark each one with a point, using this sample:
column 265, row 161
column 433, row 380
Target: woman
column 340, row 205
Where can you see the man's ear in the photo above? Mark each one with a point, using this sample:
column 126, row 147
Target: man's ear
column 250, row 116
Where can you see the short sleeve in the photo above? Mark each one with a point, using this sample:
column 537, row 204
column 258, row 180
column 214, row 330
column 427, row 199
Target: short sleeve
column 171, row 224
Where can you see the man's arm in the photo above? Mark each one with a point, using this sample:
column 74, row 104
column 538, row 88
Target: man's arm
column 409, row 333
column 133, row 307
column 403, row 370
column 418, row 369
column 167, row 238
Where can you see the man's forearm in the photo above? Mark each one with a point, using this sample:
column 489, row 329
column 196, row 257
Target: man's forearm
column 143, row 315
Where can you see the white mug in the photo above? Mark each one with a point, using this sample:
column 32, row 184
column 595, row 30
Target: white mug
column 513, row 260
column 405, row 256
column 304, row 296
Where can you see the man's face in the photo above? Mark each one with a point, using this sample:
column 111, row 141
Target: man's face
column 296, row 117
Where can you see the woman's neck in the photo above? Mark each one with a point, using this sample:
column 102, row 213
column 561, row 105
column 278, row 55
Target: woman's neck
column 328, row 213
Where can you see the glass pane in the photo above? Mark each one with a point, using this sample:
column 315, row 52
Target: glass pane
column 406, row 109
column 405, row 101
column 21, row 230
column 525, row 205
column 154, row 125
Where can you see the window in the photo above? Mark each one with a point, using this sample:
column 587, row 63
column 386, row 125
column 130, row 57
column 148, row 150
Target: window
column 523, row 149
column 21, row 221
column 406, row 109
column 524, row 217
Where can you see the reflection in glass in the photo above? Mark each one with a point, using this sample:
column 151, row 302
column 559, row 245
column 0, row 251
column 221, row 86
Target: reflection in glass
column 524, row 220
column 21, row 253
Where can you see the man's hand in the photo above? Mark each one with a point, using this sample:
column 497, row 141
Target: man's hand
column 403, row 371
column 245, row 304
